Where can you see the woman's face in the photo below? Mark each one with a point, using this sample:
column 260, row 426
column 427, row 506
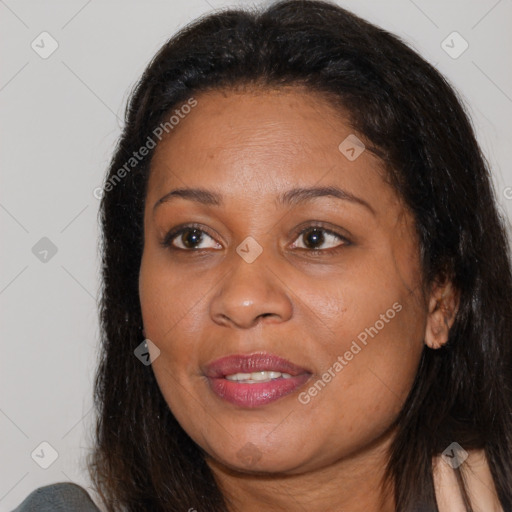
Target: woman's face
column 342, row 302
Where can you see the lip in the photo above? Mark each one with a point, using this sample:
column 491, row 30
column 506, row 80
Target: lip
column 257, row 394
column 257, row 362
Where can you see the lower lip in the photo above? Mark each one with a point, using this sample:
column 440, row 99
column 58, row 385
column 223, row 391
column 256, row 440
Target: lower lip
column 254, row 395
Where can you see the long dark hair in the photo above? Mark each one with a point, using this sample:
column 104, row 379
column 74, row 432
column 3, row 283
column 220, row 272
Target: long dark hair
column 143, row 459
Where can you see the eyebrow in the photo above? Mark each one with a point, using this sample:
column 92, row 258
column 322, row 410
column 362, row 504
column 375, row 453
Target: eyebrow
column 290, row 197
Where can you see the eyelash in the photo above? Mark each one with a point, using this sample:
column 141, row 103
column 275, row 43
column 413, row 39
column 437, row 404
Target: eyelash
column 179, row 230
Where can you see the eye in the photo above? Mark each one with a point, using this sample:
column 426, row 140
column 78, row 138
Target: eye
column 190, row 237
column 314, row 237
column 193, row 237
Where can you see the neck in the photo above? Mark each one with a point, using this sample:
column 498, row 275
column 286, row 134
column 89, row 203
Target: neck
column 351, row 484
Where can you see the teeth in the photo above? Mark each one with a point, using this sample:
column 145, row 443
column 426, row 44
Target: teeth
column 250, row 378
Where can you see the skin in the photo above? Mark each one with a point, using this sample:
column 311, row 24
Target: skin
column 304, row 304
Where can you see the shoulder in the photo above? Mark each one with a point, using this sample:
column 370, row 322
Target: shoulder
column 59, row 497
column 479, row 483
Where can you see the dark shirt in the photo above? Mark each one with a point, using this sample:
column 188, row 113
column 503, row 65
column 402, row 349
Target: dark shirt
column 60, row 497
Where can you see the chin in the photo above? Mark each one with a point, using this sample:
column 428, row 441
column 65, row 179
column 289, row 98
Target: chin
column 249, row 456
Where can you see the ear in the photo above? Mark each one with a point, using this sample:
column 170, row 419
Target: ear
column 443, row 306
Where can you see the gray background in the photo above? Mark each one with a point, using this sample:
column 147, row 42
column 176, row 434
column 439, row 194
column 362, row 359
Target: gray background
column 60, row 118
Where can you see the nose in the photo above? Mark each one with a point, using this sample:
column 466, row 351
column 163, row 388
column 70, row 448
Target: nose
column 249, row 293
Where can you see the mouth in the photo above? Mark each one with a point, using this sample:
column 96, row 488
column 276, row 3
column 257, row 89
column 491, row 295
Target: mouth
column 254, row 380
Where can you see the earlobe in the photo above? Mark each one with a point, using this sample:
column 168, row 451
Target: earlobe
column 442, row 308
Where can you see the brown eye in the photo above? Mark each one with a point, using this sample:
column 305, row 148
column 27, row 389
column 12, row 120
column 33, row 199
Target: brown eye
column 314, row 237
column 189, row 238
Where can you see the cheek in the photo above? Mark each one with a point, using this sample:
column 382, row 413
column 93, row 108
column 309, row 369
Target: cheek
column 169, row 300
column 367, row 373
column 173, row 311
column 168, row 315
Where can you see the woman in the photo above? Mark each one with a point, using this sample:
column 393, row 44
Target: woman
column 307, row 285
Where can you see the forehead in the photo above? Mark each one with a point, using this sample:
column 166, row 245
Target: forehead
column 263, row 141
column 284, row 120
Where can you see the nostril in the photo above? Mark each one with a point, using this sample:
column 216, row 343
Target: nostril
column 263, row 315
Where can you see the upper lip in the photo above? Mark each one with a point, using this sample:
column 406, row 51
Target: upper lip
column 258, row 362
